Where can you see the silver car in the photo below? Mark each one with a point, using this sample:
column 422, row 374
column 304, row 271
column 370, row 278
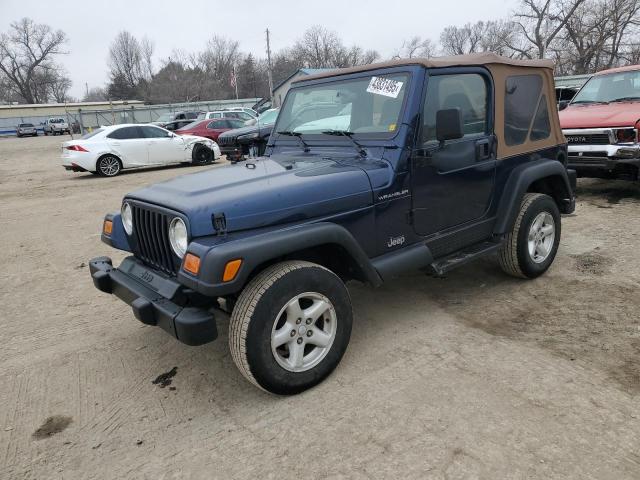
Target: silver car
column 26, row 130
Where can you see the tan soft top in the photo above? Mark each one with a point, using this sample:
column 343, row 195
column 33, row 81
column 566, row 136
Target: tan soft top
column 486, row 58
column 501, row 68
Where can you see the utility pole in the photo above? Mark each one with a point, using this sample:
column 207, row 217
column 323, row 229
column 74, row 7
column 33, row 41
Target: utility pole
column 86, row 86
column 269, row 70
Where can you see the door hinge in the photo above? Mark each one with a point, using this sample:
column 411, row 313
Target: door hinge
column 410, row 217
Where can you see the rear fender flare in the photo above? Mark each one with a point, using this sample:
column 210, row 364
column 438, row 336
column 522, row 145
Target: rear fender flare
column 519, row 181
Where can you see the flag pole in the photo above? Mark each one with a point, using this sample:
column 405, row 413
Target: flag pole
column 235, row 80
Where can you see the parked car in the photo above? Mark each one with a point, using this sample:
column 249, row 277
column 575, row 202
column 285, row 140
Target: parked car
column 56, row 126
column 238, row 115
column 176, row 124
column 210, row 128
column 429, row 175
column 26, row 129
column 248, row 110
column 166, row 118
column 248, row 141
column 108, row 150
column 601, row 124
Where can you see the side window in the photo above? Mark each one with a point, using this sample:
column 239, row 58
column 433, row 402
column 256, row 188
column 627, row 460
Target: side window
column 215, row 124
column 125, row 133
column 153, row 132
column 468, row 92
column 236, row 123
column 520, row 104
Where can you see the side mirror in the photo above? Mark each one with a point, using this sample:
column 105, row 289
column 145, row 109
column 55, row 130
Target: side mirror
column 448, row 124
column 563, row 104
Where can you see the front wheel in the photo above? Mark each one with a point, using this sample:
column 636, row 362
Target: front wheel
column 532, row 244
column 290, row 327
column 202, row 155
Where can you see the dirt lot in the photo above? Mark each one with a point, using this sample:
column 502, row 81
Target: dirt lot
column 475, row 376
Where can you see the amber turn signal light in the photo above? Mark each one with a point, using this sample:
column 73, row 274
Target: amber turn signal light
column 107, row 227
column 192, row 263
column 231, row 270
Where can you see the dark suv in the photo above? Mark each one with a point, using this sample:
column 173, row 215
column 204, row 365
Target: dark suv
column 420, row 164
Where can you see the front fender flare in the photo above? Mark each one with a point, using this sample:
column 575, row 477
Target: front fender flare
column 261, row 248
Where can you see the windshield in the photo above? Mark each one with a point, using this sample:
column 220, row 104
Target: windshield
column 26, row 125
column 56, row 120
column 268, row 117
column 369, row 106
column 191, row 125
column 610, row 88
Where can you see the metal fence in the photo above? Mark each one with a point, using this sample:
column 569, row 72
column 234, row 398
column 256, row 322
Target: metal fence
column 84, row 120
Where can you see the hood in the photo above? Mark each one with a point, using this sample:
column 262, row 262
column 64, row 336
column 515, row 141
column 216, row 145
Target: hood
column 600, row 115
column 268, row 191
column 236, row 132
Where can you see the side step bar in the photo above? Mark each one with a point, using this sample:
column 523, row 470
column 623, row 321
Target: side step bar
column 445, row 264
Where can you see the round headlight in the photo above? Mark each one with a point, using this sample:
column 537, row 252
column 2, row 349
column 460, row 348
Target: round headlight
column 178, row 236
column 127, row 218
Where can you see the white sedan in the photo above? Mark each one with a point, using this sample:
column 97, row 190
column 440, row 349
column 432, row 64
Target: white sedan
column 108, row 150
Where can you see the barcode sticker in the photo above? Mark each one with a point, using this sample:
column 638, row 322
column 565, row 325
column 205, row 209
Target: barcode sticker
column 384, row 86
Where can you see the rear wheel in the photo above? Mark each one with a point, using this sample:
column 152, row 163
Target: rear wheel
column 531, row 247
column 290, row 327
column 201, row 155
column 109, row 166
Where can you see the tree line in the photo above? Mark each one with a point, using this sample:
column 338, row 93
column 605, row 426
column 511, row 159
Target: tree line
column 580, row 36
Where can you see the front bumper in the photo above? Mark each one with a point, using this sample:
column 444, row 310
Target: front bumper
column 608, row 156
column 155, row 299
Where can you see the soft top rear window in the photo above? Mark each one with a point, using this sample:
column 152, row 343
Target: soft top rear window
column 522, row 99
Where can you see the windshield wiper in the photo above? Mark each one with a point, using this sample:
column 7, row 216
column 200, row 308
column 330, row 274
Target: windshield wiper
column 298, row 135
column 347, row 134
column 588, row 101
column 625, row 99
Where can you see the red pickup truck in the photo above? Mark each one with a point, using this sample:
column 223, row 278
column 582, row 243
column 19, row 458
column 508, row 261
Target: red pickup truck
column 601, row 124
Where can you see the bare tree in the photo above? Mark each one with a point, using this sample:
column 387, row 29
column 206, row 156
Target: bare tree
column 541, row 21
column 126, row 59
column 95, row 94
column 59, row 88
column 26, row 58
column 146, row 54
column 462, row 40
column 416, row 46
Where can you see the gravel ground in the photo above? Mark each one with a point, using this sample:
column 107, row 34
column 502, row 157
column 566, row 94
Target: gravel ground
column 474, row 376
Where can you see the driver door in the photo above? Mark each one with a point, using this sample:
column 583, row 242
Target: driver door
column 452, row 182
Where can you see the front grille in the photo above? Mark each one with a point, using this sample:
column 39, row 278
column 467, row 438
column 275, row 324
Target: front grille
column 589, row 139
column 151, row 229
column 226, row 140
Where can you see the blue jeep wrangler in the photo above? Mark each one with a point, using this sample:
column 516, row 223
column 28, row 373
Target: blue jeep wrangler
column 409, row 164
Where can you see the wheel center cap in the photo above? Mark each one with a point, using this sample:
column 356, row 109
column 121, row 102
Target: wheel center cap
column 302, row 329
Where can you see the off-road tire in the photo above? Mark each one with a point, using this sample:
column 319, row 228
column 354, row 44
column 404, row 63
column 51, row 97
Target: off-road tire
column 201, row 155
column 254, row 315
column 514, row 254
column 101, row 166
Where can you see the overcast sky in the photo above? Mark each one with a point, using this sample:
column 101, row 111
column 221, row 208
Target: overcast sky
column 373, row 24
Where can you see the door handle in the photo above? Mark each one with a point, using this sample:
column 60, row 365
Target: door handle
column 483, row 149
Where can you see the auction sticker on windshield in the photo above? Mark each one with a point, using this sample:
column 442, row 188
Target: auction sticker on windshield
column 384, row 86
